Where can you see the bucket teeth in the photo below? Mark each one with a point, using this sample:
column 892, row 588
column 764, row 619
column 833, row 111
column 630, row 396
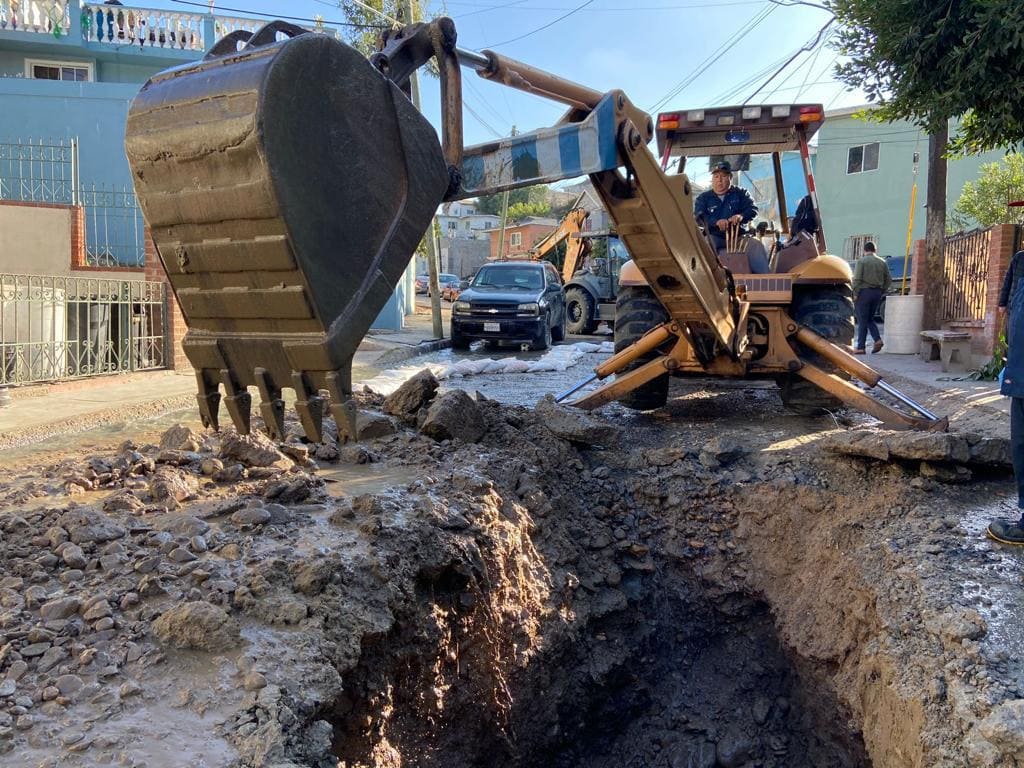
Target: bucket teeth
column 208, row 398
column 238, row 402
column 271, row 404
column 309, row 406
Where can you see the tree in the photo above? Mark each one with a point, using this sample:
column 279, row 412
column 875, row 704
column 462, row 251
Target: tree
column 928, row 62
column 522, row 202
column 983, row 201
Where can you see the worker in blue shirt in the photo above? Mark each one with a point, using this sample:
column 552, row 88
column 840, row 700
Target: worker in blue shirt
column 723, row 206
column 1012, row 531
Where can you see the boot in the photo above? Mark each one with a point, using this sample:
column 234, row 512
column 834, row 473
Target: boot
column 1007, row 531
column 877, row 347
column 858, row 351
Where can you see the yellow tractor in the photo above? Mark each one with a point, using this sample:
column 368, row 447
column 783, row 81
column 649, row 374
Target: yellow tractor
column 285, row 205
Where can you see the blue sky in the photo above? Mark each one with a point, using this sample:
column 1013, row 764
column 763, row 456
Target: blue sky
column 651, row 49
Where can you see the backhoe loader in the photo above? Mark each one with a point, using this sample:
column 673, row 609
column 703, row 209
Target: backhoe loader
column 287, row 181
column 590, row 270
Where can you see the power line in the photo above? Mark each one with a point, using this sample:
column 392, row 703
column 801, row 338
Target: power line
column 804, row 48
column 616, row 9
column 549, row 24
column 742, row 32
column 286, row 18
column 480, row 120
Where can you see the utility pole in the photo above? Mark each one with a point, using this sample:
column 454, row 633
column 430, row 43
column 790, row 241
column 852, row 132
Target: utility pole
column 432, row 250
column 933, row 276
column 504, row 218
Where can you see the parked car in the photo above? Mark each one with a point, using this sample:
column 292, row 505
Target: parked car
column 511, row 301
column 451, row 291
column 446, row 280
column 422, row 283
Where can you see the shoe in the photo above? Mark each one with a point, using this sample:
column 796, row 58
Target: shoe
column 877, row 347
column 1006, row 531
column 858, row 351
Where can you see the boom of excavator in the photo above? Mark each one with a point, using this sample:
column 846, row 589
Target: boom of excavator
column 287, row 181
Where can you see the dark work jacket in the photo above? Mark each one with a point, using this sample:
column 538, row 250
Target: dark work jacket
column 1013, row 377
column 712, row 209
column 1012, row 278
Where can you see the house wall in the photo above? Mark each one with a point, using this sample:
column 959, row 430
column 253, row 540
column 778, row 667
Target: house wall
column 878, row 202
column 463, row 257
column 531, row 233
column 36, row 240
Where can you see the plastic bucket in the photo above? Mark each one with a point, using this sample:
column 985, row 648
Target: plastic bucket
column 902, row 334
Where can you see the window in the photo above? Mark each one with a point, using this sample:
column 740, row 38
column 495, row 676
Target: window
column 516, row 240
column 452, row 225
column 487, row 225
column 854, row 247
column 58, row 70
column 862, row 158
column 467, row 225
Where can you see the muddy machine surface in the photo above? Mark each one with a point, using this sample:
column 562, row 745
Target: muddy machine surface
column 287, row 181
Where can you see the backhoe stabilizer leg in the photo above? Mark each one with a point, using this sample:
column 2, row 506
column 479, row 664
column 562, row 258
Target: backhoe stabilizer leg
column 843, row 360
column 624, row 383
column 857, row 398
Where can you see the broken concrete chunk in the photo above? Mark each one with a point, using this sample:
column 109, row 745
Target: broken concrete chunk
column 719, row 451
column 200, row 625
column 1004, row 728
column 253, row 450
column 921, row 446
column 869, row 444
column 575, row 425
column 171, row 483
column 454, row 415
column 370, row 425
column 946, row 473
column 416, row 393
column 85, row 525
column 181, row 438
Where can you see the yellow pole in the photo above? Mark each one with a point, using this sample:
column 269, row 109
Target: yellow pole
column 910, row 221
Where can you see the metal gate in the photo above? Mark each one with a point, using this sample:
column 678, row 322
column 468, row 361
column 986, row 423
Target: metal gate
column 54, row 328
column 965, row 269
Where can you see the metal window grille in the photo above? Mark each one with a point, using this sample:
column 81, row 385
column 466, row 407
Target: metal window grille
column 39, row 171
column 854, row 246
column 966, row 271
column 54, row 328
column 114, row 227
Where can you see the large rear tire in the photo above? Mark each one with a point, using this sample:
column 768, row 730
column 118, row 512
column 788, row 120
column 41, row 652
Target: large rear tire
column 637, row 310
column 828, row 311
column 579, row 311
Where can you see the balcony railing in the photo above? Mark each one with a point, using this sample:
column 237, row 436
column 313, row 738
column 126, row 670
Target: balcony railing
column 123, row 25
column 49, row 17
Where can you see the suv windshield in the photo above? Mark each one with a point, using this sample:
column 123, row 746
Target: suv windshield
column 521, row 277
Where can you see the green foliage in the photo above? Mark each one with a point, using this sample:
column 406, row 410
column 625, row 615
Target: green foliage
column 523, row 210
column 523, row 202
column 365, row 36
column 993, row 367
column 929, row 61
column 984, row 201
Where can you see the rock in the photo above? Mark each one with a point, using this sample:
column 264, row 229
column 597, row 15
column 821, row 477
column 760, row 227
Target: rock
column 98, row 611
column 199, row 625
column 181, row 555
column 454, row 415
column 181, row 438
column 35, row 649
column 956, row 625
column 1004, row 728
column 946, row 473
column 761, row 710
column 60, row 608
column 993, row 451
column 733, row 750
column 7, row 688
column 104, row 624
column 253, row 450
column 69, row 685
column 574, row 425
column 129, row 689
column 211, row 466
column 416, row 393
column 719, row 451
column 85, row 525
column 254, row 681
column 354, row 454
column 251, row 516
column 53, row 656
column 16, row 670
column 171, row 483
column 56, row 536
column 230, row 474
column 73, row 556
column 184, row 525
column 370, row 425
column 123, row 501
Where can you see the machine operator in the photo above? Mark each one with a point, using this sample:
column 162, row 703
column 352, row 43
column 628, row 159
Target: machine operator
column 725, row 205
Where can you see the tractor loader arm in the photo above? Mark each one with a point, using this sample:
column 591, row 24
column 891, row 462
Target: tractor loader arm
column 285, row 207
column 576, row 248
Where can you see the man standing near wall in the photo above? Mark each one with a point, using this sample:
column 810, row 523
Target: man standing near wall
column 871, row 280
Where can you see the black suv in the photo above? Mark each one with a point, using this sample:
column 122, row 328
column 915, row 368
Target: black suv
column 515, row 301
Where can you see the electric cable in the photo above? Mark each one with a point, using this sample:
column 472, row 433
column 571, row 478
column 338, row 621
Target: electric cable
column 578, row 8
column 817, row 39
column 286, row 18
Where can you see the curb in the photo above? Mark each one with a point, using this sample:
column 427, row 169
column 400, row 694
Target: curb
column 400, row 355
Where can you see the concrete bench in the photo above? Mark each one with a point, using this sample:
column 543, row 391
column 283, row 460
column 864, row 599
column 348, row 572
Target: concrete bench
column 951, row 348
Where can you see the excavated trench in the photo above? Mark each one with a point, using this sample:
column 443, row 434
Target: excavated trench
column 505, row 658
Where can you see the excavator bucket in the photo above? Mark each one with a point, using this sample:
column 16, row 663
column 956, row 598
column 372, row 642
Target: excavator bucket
column 287, row 186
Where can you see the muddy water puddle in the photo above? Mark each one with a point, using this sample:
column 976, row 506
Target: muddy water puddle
column 999, row 598
column 358, row 479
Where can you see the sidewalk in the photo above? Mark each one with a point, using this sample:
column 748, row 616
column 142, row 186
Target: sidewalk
column 44, row 410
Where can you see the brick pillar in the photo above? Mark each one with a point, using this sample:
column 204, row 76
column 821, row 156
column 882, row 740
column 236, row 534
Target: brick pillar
column 916, row 266
column 175, row 330
column 1000, row 252
column 78, row 258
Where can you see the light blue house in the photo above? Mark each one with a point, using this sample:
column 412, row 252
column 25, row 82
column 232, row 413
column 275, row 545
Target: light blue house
column 68, row 72
column 865, row 174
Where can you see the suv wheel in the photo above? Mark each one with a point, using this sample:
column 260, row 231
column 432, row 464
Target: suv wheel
column 558, row 332
column 544, row 340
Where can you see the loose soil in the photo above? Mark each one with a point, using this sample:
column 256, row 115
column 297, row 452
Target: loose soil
column 699, row 586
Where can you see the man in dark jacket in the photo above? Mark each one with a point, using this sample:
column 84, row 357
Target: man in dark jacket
column 1010, row 282
column 1012, row 531
column 725, row 206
